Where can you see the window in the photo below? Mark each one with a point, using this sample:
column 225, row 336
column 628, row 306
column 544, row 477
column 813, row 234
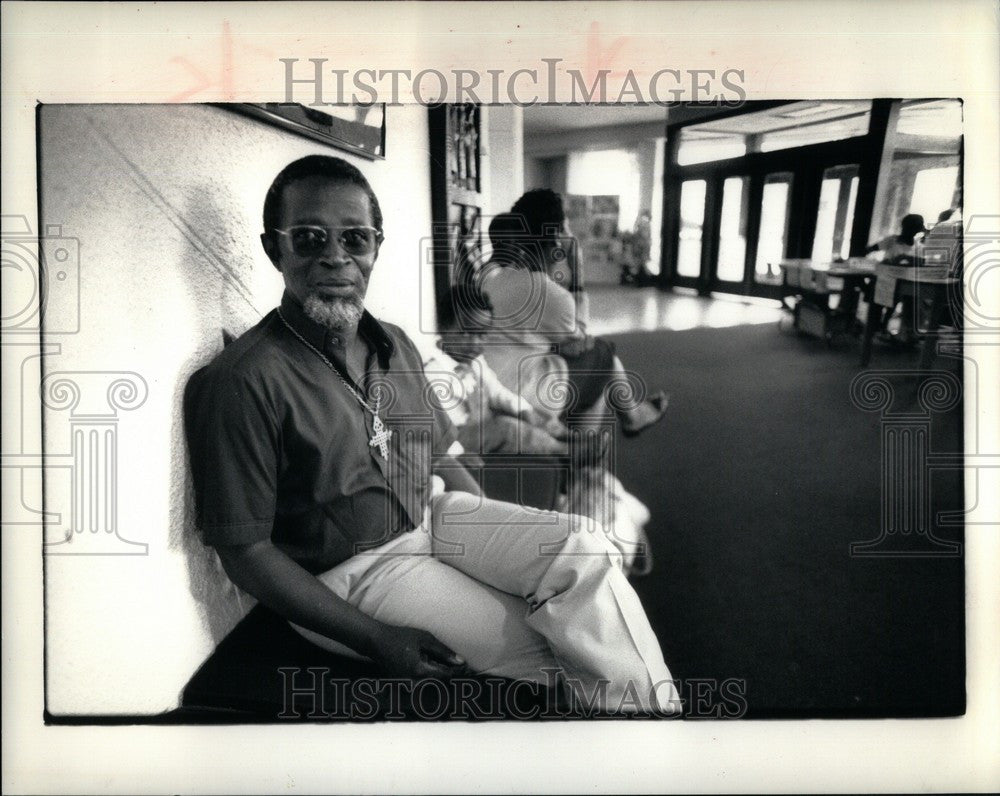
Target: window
column 933, row 191
column 609, row 172
column 853, row 122
column 924, row 174
column 784, row 126
column 656, row 220
column 939, row 118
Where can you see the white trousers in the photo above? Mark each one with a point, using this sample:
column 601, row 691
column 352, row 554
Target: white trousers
column 515, row 591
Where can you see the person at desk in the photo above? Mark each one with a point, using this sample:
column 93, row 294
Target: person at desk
column 901, row 249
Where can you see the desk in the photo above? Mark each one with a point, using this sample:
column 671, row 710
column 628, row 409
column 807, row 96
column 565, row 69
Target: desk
column 850, row 279
column 893, row 283
column 824, row 276
column 858, row 276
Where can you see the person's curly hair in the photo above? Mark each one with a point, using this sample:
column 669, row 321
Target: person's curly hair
column 541, row 210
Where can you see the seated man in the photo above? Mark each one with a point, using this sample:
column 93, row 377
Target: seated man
column 311, row 445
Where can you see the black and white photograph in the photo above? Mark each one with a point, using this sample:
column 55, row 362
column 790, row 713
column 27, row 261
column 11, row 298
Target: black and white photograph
column 417, row 405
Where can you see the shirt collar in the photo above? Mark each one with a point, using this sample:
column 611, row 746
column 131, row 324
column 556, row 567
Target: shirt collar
column 325, row 339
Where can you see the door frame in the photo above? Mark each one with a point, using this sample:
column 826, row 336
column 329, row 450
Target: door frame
column 807, row 165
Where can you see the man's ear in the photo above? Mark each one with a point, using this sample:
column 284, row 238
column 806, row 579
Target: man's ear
column 271, row 248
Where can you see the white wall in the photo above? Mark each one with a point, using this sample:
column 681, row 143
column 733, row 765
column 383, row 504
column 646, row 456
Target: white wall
column 536, row 173
column 546, row 161
column 551, row 144
column 505, row 157
column 165, row 202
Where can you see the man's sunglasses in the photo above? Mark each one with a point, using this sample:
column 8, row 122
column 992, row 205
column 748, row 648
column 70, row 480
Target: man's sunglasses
column 308, row 240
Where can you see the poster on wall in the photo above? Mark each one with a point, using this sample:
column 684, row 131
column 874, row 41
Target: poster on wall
column 358, row 128
column 594, row 223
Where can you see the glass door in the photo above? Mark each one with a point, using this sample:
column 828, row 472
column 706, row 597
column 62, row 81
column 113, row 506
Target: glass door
column 732, row 251
column 835, row 217
column 692, row 227
column 772, row 236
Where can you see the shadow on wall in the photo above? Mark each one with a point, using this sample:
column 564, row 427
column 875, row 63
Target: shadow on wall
column 221, row 604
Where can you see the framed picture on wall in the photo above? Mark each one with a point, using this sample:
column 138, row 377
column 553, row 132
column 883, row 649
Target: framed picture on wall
column 356, row 128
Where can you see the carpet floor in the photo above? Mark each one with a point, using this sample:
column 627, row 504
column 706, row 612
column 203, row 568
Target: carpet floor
column 759, row 479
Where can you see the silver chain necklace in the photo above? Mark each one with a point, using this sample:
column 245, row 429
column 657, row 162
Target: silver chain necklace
column 381, row 436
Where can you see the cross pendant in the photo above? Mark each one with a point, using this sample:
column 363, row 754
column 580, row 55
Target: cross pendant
column 381, row 437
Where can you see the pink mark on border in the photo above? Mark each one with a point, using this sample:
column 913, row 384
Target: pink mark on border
column 599, row 58
column 201, row 78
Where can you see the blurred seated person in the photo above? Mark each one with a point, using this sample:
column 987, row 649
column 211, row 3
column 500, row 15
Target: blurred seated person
column 535, row 286
column 637, row 250
column 489, row 417
column 492, row 419
column 901, row 250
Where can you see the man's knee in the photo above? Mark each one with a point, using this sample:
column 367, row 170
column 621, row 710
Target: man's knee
column 586, row 541
column 452, row 505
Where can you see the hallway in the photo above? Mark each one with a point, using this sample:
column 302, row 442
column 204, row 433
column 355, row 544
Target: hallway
column 618, row 309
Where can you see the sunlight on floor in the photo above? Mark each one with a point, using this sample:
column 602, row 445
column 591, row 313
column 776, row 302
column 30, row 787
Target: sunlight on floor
column 627, row 309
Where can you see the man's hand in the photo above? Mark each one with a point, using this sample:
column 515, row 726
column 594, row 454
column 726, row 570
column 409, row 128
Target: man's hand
column 573, row 347
column 555, row 428
column 456, row 478
column 408, row 652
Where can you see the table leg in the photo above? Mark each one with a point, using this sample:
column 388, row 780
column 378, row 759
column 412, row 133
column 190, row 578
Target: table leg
column 871, row 324
column 929, row 345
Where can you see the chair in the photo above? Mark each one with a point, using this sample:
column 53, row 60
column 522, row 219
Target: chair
column 264, row 671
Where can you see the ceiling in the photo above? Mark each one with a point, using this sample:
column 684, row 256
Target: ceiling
column 781, row 117
column 548, row 119
column 928, row 117
column 543, row 119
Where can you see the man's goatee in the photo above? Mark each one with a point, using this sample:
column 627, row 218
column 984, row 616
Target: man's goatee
column 334, row 313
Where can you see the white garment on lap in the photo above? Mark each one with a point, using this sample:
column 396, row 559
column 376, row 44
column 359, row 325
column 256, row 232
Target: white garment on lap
column 514, row 591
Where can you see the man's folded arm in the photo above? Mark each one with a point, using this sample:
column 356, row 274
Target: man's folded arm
column 278, row 582
column 291, row 591
column 233, row 435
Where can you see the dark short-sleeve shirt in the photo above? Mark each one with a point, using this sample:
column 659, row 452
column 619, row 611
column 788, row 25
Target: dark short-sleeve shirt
column 279, row 447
